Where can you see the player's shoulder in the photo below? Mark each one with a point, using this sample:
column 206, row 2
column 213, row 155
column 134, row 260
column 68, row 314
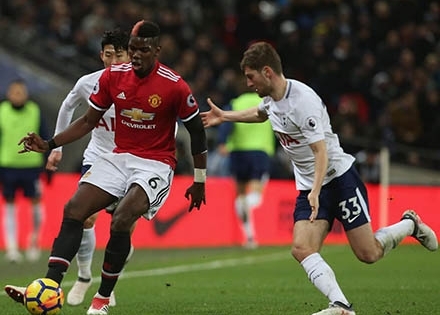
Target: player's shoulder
column 90, row 77
column 167, row 73
column 120, row 68
column 299, row 91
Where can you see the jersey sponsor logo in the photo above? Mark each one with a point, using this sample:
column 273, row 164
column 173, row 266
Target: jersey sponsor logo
column 121, row 96
column 107, row 125
column 137, row 115
column 285, row 139
column 191, row 101
column 162, row 226
column 154, row 100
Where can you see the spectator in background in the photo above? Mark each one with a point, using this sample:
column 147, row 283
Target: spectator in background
column 18, row 115
column 250, row 148
column 336, row 47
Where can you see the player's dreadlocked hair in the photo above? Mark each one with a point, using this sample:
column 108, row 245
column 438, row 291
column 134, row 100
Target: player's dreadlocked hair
column 118, row 38
column 147, row 29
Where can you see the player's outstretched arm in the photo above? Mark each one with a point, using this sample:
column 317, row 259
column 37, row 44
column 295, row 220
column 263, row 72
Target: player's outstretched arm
column 216, row 116
column 213, row 117
column 33, row 142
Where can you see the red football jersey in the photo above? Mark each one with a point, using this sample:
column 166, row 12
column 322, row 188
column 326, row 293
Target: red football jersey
column 146, row 109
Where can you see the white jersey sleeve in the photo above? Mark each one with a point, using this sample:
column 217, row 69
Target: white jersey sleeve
column 102, row 137
column 77, row 96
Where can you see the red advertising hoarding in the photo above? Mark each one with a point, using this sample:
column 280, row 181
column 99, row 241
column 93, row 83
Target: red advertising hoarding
column 216, row 223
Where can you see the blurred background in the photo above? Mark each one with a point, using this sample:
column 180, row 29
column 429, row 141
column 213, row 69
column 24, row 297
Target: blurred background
column 376, row 65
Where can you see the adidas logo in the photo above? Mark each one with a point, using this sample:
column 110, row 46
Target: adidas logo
column 121, row 96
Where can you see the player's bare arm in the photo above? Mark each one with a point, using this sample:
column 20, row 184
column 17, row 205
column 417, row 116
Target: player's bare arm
column 216, row 116
column 196, row 192
column 53, row 160
column 79, row 128
column 319, row 150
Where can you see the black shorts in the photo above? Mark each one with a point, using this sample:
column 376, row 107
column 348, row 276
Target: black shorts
column 27, row 179
column 345, row 199
column 247, row 165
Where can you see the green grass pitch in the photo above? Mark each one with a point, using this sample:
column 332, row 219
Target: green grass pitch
column 235, row 281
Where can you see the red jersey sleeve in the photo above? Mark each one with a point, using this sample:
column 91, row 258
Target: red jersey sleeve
column 100, row 98
column 189, row 107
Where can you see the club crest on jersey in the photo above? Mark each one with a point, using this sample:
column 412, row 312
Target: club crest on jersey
column 137, row 115
column 154, row 100
column 311, row 122
column 96, row 88
column 191, row 101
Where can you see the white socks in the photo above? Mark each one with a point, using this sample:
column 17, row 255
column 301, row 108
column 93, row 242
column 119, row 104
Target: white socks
column 389, row 237
column 323, row 278
column 85, row 253
column 10, row 228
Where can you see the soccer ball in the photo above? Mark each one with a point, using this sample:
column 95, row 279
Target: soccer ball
column 43, row 297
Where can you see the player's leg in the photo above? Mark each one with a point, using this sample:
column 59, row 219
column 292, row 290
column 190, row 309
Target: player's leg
column 243, row 166
column 242, row 211
column 369, row 247
column 131, row 207
column 87, row 200
column 10, row 230
column 84, row 260
column 257, row 177
column 150, row 181
column 130, row 254
column 308, row 239
column 32, row 190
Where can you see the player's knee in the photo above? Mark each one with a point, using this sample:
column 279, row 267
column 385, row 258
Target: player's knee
column 367, row 256
column 122, row 222
column 90, row 222
column 71, row 210
column 299, row 252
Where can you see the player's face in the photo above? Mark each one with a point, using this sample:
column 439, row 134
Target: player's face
column 110, row 56
column 143, row 54
column 258, row 81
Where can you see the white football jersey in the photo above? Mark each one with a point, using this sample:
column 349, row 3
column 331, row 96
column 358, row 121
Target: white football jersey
column 102, row 137
column 299, row 119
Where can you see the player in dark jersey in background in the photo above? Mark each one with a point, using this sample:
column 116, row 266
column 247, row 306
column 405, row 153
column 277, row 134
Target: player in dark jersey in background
column 148, row 97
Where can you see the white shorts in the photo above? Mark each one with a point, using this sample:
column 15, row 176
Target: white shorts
column 116, row 172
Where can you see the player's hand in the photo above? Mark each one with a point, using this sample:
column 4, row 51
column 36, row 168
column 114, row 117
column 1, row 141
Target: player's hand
column 222, row 149
column 213, row 117
column 314, row 205
column 33, row 142
column 53, row 160
column 197, row 194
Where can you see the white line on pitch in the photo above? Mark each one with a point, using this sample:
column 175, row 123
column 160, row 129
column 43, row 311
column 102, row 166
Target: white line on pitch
column 211, row 265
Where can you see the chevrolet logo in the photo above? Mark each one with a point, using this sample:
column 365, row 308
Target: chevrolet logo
column 136, row 114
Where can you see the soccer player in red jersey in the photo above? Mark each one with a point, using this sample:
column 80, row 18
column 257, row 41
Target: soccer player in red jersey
column 148, row 97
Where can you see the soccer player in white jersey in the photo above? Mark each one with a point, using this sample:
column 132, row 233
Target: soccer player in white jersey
column 114, row 45
column 328, row 183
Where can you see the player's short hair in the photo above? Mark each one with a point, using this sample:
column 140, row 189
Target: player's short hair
column 259, row 55
column 117, row 37
column 147, row 29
